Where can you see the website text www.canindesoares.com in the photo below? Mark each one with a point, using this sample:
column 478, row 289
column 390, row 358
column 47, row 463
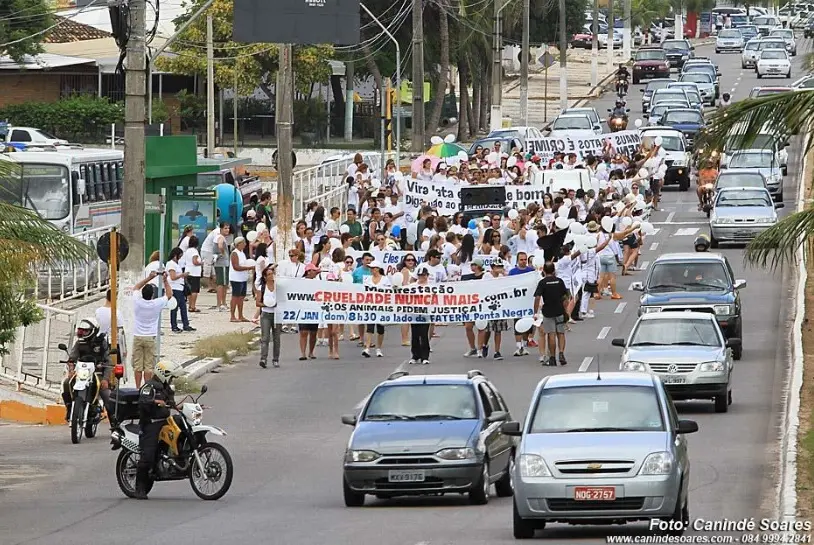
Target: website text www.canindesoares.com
column 745, row 531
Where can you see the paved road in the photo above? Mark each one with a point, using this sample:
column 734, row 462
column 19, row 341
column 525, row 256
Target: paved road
column 287, row 441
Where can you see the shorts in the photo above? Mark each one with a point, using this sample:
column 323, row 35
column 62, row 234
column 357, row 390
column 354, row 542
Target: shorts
column 208, row 261
column 498, row 326
column 221, row 276
column 607, row 264
column 554, row 324
column 308, row 327
column 591, row 287
column 631, row 241
column 143, row 354
column 238, row 289
column 655, row 187
column 194, row 284
column 377, row 328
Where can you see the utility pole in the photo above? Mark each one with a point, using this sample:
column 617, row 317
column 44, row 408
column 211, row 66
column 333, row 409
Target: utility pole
column 563, row 64
column 595, row 46
column 349, row 79
column 626, row 36
column 611, row 22
column 679, row 22
column 418, row 136
column 496, row 114
column 524, row 65
column 284, row 119
column 210, row 89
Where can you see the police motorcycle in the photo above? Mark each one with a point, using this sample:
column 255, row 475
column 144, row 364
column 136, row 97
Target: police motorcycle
column 617, row 121
column 183, row 450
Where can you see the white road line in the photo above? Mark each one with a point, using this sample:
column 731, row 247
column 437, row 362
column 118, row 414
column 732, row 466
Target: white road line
column 644, row 265
column 686, row 232
column 620, row 308
column 586, row 363
column 603, row 333
column 670, row 217
column 654, row 246
column 656, row 231
column 630, row 287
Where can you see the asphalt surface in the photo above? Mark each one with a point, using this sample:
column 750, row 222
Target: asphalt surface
column 287, row 441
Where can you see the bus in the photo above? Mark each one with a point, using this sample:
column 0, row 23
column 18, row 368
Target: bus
column 73, row 189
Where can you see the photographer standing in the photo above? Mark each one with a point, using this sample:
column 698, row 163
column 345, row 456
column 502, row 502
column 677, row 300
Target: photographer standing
column 147, row 309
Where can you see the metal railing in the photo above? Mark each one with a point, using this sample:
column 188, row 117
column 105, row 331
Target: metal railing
column 72, row 280
column 33, row 358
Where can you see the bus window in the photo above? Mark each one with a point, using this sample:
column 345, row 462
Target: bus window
column 110, row 172
column 100, row 184
column 83, row 173
column 75, row 188
column 120, row 178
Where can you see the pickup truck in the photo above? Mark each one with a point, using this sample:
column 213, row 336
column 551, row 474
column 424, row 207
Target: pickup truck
column 24, row 137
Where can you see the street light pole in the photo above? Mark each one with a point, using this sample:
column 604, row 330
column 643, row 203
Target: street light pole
column 417, row 140
column 563, row 57
column 524, row 65
column 595, row 46
column 627, row 31
column 496, row 114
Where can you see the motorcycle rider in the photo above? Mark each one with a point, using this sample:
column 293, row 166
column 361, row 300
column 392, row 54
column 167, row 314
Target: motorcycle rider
column 156, row 398
column 726, row 100
column 705, row 181
column 90, row 343
column 619, row 111
column 622, row 76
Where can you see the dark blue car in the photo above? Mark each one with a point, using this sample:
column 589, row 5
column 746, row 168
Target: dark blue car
column 687, row 120
column 699, row 282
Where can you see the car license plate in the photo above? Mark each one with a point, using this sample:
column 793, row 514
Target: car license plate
column 674, row 380
column 594, row 493
column 406, row 476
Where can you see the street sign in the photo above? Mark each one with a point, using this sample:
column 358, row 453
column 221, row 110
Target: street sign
column 152, row 203
column 103, row 247
column 546, row 60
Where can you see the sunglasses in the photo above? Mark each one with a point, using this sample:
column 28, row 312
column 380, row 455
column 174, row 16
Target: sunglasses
column 410, row 259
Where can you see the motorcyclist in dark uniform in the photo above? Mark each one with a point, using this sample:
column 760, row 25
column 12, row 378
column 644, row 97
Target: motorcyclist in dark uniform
column 89, row 344
column 622, row 72
column 156, row 397
column 622, row 77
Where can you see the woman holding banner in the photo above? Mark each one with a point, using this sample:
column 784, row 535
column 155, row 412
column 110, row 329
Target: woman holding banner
column 420, row 345
column 376, row 279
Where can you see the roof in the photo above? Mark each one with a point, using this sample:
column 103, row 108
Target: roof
column 608, row 379
column 433, row 379
column 67, row 30
column 673, row 315
column 43, row 61
column 687, row 256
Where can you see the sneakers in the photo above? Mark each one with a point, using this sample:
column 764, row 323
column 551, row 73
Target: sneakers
column 498, row 356
column 590, row 314
column 366, row 353
column 275, row 364
column 552, row 361
column 484, row 352
column 263, row 364
column 379, row 353
column 562, row 359
column 412, row 362
column 532, row 343
column 520, row 352
column 471, row 353
column 426, row 362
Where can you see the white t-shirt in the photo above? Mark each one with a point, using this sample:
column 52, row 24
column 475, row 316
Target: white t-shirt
column 235, row 275
column 260, row 265
column 103, row 319
column 396, row 209
column 178, row 283
column 189, row 260
column 353, row 196
column 269, row 301
column 290, row 269
column 146, row 313
column 208, row 245
column 437, row 273
column 384, row 282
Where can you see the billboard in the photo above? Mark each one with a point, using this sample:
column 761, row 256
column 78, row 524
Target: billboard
column 333, row 22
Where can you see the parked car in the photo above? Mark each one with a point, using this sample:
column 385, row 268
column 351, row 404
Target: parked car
column 739, row 214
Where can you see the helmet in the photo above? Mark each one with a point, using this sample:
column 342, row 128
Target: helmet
column 701, row 243
column 725, row 96
column 165, row 371
column 86, row 329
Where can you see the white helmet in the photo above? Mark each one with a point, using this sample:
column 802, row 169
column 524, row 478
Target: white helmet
column 167, row 370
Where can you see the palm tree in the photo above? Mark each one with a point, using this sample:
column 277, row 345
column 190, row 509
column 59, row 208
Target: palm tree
column 780, row 116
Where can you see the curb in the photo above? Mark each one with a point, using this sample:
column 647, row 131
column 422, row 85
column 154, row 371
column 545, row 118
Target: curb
column 197, row 367
column 49, row 415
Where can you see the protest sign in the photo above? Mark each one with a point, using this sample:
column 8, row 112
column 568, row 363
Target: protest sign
column 444, row 196
column 624, row 142
column 302, row 301
column 390, row 259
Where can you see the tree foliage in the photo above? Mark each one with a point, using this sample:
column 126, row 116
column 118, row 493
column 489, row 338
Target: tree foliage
column 254, row 64
column 544, row 21
column 22, row 26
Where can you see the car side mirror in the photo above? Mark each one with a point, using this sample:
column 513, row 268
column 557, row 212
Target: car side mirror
column 204, row 389
column 497, row 416
column 627, row 110
column 511, row 428
column 733, row 342
column 739, row 284
column 637, row 286
column 349, row 419
column 63, row 347
column 779, row 205
column 641, row 90
column 686, row 426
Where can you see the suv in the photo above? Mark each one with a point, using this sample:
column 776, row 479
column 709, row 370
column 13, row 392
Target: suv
column 699, row 282
column 652, row 87
column 429, row 434
column 678, row 51
column 601, row 448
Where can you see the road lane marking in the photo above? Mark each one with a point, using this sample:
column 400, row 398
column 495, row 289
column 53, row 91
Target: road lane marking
column 644, row 265
column 603, row 333
column 670, row 217
column 686, row 232
column 620, row 308
column 656, row 231
column 586, row 363
column 654, row 246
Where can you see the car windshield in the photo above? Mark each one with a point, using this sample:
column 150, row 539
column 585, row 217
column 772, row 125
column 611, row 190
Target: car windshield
column 697, row 77
column 771, row 45
column 651, row 55
column 597, row 409
column 700, row 275
column 752, row 159
column 39, row 187
column 675, row 331
column 578, row 111
column 506, row 133
column 768, row 92
column 705, row 68
column 773, row 55
column 669, row 143
column 785, row 34
column 693, row 95
column 422, row 401
column 489, row 143
column 739, row 18
column 655, row 85
column 760, row 141
column 764, row 21
column 753, row 46
column 680, row 45
column 675, row 116
column 568, row 123
column 729, row 34
column 657, row 111
column 734, row 179
column 742, row 198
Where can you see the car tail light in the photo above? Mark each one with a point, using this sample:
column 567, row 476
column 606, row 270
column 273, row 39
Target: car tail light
column 118, row 371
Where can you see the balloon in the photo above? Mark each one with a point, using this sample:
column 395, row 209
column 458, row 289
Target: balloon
column 561, row 222
column 637, row 225
column 638, row 123
column 618, row 207
column 658, row 140
column 251, row 236
column 647, row 228
column 511, row 161
column 513, row 214
column 335, row 243
column 229, row 202
column 412, row 233
column 591, row 241
column 462, row 155
column 344, row 229
column 524, row 324
column 644, row 173
column 425, row 245
column 567, row 203
column 472, row 224
column 607, row 223
column 397, row 279
column 250, row 263
column 347, row 278
column 260, row 227
column 569, row 238
column 601, row 167
column 627, row 222
column 563, row 211
column 435, row 140
column 481, row 324
column 581, row 248
column 172, row 304
column 398, row 175
column 577, row 228
column 375, row 184
column 449, row 139
column 396, row 231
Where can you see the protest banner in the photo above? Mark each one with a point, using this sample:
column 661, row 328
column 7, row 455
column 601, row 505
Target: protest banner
column 624, row 142
column 444, row 196
column 390, row 259
column 302, row 301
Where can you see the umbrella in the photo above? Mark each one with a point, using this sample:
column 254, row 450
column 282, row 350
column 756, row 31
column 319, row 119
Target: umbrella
column 446, row 150
column 416, row 166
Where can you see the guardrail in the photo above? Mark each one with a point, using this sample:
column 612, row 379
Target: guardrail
column 33, row 359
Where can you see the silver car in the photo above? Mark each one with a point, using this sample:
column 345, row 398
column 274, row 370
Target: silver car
column 739, row 214
column 600, row 448
column 705, row 83
column 787, row 35
column 687, row 350
column 765, row 160
column 751, row 51
column 729, row 39
column 740, row 178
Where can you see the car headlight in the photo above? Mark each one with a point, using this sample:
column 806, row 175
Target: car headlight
column 532, row 465
column 685, row 57
column 657, row 463
column 636, row 366
column 766, row 220
column 648, row 310
column 712, row 367
column 456, row 453
column 723, row 309
column 721, row 221
column 361, row 456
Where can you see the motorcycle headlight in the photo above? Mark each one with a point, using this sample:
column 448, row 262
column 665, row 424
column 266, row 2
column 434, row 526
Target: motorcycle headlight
column 456, row 453
column 196, row 417
column 657, row 463
column 712, row 367
column 361, row 456
column 649, row 310
column 532, row 465
column 636, row 366
column 723, row 309
column 83, row 374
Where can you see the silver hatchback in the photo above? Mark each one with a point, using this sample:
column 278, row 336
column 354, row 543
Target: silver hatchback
column 601, row 448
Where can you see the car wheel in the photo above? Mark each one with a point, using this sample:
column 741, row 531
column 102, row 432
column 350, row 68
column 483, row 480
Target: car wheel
column 743, row 65
column 522, row 528
column 718, row 51
column 788, row 76
column 352, row 498
column 504, row 487
column 682, row 516
column 479, row 493
column 721, row 404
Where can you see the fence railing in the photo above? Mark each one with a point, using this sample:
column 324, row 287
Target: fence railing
column 33, row 358
column 72, row 280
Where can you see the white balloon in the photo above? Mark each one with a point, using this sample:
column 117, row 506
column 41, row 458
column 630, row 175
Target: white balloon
column 449, row 139
column 638, row 123
column 524, row 324
column 251, row 236
column 561, row 222
column 435, row 140
column 627, row 221
column 347, row 278
column 569, row 238
column 463, row 156
column 644, row 173
column 250, row 263
column 335, row 243
column 172, row 304
column 581, row 248
column 658, row 140
column 511, row 161
column 375, row 184
column 647, row 228
column 574, row 228
column 618, row 207
column 481, row 324
column 591, row 241
column 344, row 229
column 397, row 279
column 513, row 214
column 563, row 211
column 607, row 223
column 601, row 167
column 412, row 233
column 425, row 245
column 567, row 203
column 579, row 228
column 260, row 227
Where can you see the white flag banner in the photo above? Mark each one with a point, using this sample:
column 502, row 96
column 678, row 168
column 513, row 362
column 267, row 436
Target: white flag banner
column 303, row 301
column 623, row 142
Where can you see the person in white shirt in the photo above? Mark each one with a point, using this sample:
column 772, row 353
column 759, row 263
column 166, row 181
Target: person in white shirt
column 239, row 279
column 103, row 316
column 177, row 283
column 153, row 265
column 377, row 280
column 147, row 307
column 269, row 330
column 194, row 266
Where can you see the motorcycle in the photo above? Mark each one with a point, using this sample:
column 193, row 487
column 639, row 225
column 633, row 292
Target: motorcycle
column 87, row 408
column 621, row 87
column 617, row 122
column 707, row 197
column 183, row 449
